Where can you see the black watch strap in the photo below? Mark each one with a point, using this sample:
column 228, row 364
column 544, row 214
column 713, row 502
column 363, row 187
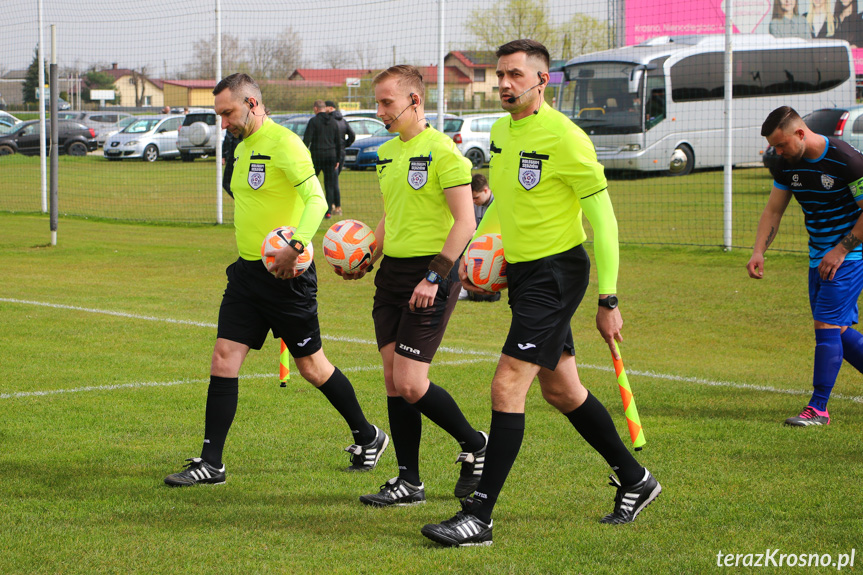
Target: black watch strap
column 609, row 302
column 297, row 245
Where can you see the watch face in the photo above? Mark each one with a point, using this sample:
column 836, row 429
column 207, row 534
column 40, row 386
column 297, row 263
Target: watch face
column 609, row 302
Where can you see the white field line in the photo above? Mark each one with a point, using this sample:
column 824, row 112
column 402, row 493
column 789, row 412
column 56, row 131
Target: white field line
column 482, row 356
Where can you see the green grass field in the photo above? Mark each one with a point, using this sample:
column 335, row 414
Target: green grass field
column 106, row 341
column 651, row 209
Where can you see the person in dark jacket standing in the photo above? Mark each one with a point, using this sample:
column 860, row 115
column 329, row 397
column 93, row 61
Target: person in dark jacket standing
column 322, row 139
column 346, row 138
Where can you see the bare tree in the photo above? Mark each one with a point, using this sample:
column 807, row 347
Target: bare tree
column 335, row 56
column 366, row 54
column 139, row 79
column 203, row 65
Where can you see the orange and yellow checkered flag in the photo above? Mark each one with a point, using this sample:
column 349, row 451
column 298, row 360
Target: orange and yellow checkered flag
column 636, row 432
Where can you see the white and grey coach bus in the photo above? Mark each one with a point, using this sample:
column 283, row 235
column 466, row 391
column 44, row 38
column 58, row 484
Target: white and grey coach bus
column 641, row 103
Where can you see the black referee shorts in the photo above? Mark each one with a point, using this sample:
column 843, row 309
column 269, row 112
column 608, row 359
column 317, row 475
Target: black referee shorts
column 543, row 296
column 417, row 334
column 256, row 302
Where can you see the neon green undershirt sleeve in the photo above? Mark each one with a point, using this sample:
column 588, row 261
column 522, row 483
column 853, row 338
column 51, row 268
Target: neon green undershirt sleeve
column 600, row 213
column 315, row 207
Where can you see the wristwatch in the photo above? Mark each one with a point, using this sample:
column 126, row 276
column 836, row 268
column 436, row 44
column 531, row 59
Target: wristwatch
column 297, row 245
column 610, row 302
column 433, row 277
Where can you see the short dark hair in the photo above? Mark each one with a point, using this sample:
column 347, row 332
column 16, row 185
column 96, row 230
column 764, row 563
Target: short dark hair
column 529, row 47
column 237, row 84
column 407, row 77
column 780, row 118
column 478, row 182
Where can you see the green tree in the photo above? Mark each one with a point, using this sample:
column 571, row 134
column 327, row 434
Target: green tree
column 514, row 19
column 95, row 80
column 31, row 80
column 510, row 20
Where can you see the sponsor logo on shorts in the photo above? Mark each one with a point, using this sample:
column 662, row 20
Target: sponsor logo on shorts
column 409, row 349
column 304, row 342
column 524, row 346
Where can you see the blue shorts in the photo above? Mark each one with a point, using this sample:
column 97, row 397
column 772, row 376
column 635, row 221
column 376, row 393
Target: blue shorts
column 835, row 301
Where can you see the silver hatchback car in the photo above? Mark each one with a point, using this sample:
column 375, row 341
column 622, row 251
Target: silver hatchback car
column 148, row 138
column 473, row 138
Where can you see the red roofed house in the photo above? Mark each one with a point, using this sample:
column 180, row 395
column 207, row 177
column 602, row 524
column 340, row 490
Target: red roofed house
column 125, row 83
column 479, row 67
column 329, row 77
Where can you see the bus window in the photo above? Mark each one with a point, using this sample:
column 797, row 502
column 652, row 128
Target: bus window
column 597, row 97
column 655, row 111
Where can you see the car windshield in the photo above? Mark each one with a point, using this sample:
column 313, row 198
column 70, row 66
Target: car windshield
column 141, row 126
column 380, row 131
column 126, row 121
column 4, row 129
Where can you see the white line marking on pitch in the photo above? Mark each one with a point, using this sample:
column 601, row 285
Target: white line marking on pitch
column 483, row 354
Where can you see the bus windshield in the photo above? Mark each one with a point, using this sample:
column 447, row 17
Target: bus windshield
column 604, row 97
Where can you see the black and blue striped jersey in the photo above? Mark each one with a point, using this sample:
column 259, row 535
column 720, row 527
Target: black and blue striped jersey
column 827, row 189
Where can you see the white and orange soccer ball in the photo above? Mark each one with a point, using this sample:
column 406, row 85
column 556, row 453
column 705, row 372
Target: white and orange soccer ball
column 349, row 246
column 279, row 238
column 486, row 266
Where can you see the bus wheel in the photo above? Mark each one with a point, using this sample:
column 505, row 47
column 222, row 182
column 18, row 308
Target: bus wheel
column 682, row 161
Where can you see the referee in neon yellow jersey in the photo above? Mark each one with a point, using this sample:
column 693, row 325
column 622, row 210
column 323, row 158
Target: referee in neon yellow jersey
column 544, row 174
column 428, row 220
column 274, row 185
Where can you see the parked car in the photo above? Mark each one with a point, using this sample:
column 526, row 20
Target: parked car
column 294, row 122
column 149, row 138
column 843, row 123
column 364, row 153
column 101, row 122
column 363, row 127
column 198, row 135
column 74, row 139
column 473, row 138
column 102, row 136
column 8, row 120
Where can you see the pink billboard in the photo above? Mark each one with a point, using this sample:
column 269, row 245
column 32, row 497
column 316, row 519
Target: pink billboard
column 839, row 19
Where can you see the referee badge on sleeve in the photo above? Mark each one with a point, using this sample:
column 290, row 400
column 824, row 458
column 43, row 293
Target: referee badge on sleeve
column 257, row 175
column 418, row 174
column 530, row 169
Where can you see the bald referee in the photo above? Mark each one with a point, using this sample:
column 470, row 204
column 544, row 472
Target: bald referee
column 544, row 174
column 274, row 185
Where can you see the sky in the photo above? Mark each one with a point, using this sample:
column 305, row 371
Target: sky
column 160, row 34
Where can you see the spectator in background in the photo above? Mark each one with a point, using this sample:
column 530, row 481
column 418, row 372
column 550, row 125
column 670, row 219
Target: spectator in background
column 322, row 138
column 185, row 110
column 787, row 21
column 820, row 20
column 166, row 110
column 346, row 138
column 228, row 147
column 482, row 196
column 849, row 24
column 482, row 199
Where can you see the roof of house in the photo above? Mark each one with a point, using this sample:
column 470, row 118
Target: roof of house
column 452, row 75
column 476, row 58
column 118, row 73
column 15, row 75
column 192, row 84
column 333, row 76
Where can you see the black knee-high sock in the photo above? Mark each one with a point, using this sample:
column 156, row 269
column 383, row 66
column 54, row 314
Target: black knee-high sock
column 593, row 422
column 340, row 393
column 504, row 442
column 406, row 426
column 221, row 408
column 441, row 408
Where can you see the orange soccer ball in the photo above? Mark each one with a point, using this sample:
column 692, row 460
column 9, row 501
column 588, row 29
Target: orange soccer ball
column 277, row 239
column 349, row 245
column 486, row 266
